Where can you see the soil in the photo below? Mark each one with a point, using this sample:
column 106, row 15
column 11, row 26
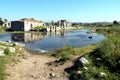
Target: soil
column 35, row 67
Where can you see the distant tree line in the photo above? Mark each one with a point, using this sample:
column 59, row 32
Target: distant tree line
column 97, row 24
column 2, row 21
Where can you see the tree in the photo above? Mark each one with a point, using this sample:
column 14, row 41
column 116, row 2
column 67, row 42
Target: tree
column 115, row 22
column 5, row 20
column 75, row 24
column 1, row 22
column 52, row 23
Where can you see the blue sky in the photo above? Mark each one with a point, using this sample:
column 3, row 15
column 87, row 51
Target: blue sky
column 72, row 10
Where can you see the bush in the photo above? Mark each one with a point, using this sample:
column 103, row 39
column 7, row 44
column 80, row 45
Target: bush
column 66, row 56
column 104, row 59
column 7, row 51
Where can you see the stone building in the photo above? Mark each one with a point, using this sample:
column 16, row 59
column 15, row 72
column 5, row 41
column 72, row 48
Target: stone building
column 64, row 23
column 25, row 24
column 7, row 24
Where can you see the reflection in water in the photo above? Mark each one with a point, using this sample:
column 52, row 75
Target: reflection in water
column 26, row 37
column 53, row 40
column 33, row 36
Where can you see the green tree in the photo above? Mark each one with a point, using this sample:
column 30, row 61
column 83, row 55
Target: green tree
column 75, row 24
column 115, row 22
column 1, row 22
column 52, row 23
column 5, row 20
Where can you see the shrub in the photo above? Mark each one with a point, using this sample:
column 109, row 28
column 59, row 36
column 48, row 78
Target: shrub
column 7, row 51
column 66, row 56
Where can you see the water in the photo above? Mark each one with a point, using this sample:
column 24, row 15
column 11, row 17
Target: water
column 43, row 42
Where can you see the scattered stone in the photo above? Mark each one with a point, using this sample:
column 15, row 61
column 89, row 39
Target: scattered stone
column 24, row 57
column 52, row 75
column 53, row 69
column 2, row 53
column 94, row 67
column 18, row 55
column 85, row 68
column 90, row 37
column 119, row 61
column 18, row 44
column 34, row 76
column 34, row 62
column 8, row 41
column 83, row 61
column 12, row 49
column 16, row 62
column 98, row 59
column 79, row 72
column 11, row 64
column 20, row 49
column 101, row 74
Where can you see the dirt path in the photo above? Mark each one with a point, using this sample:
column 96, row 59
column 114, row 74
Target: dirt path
column 35, row 68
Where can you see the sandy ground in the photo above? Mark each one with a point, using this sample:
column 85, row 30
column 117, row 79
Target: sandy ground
column 35, row 67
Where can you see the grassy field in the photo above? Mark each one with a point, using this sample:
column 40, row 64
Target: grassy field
column 2, row 29
column 8, row 57
column 104, row 60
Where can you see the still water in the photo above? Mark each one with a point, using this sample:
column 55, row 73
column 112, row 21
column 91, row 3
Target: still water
column 50, row 41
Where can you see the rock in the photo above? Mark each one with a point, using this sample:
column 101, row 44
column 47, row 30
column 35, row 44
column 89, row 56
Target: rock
column 18, row 44
column 85, row 68
column 119, row 61
column 15, row 44
column 11, row 64
column 12, row 49
column 52, row 75
column 34, row 62
column 98, row 59
column 24, row 57
column 2, row 53
column 94, row 68
column 79, row 72
column 53, row 69
column 34, row 76
column 90, row 37
column 20, row 49
column 101, row 74
column 18, row 55
column 83, row 61
column 8, row 41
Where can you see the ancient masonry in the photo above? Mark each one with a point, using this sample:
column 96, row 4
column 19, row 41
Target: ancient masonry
column 25, row 24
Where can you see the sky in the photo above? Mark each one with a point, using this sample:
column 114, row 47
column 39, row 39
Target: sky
column 71, row 10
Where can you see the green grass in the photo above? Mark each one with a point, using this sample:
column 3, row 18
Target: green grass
column 70, row 53
column 109, row 54
column 2, row 29
column 8, row 58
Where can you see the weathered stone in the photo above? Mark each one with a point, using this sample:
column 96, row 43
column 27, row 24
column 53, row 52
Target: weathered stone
column 12, row 49
column 11, row 64
column 98, row 59
column 2, row 53
column 83, row 61
column 53, row 69
column 79, row 72
column 94, row 67
column 24, row 57
column 52, row 75
column 8, row 41
column 101, row 74
column 18, row 55
column 85, row 68
column 20, row 49
column 119, row 61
